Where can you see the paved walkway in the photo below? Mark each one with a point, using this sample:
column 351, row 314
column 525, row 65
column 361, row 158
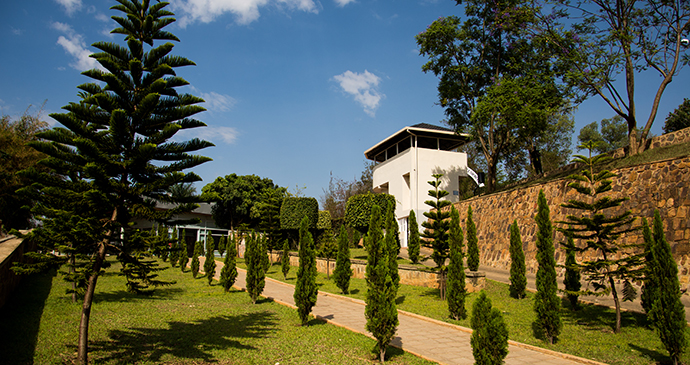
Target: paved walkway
column 428, row 338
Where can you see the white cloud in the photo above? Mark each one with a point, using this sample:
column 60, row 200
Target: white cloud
column 73, row 43
column 218, row 102
column 363, row 86
column 71, row 6
column 245, row 11
column 342, row 3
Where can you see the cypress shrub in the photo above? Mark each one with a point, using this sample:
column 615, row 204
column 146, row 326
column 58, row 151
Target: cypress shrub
column 547, row 304
column 393, row 246
column 571, row 280
column 413, row 243
column 668, row 313
column 175, row 248
column 380, row 311
column 305, row 289
column 198, row 250
column 265, row 261
column 184, row 256
column 210, row 260
column 650, row 287
column 490, row 334
column 228, row 274
column 222, row 245
column 518, row 270
column 256, row 279
column 456, row 292
column 343, row 268
column 472, row 242
column 285, row 259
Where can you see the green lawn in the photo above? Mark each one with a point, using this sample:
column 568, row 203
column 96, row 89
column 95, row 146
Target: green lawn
column 187, row 323
column 586, row 333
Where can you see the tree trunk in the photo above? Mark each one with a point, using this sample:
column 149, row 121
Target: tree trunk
column 83, row 346
column 72, row 261
column 617, row 303
column 328, row 266
column 382, row 354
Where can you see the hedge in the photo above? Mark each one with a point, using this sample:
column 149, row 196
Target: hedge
column 358, row 209
column 293, row 210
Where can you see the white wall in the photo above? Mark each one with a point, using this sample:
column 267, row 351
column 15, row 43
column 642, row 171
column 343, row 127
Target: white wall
column 420, row 164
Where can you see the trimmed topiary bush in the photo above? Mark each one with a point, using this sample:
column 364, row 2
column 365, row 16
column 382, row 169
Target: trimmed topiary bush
column 294, row 210
column 472, row 242
column 305, row 289
column 455, row 286
column 518, row 270
column 256, row 278
column 343, row 268
column 228, row 274
column 490, row 334
column 285, row 259
column 414, row 242
column 198, row 251
column 358, row 209
column 547, row 304
column 210, row 260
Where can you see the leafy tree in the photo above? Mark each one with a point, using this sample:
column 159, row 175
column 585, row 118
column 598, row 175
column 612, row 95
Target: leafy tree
column 489, row 338
column 343, row 267
column 572, row 276
column 114, row 155
column 228, row 274
column 599, row 41
column 547, row 304
column 198, row 251
column 306, row 291
column 437, row 225
column 210, row 260
column 489, row 85
column 16, row 155
column 380, row 311
column 359, row 207
column 609, row 261
column 518, row 270
column 650, row 286
column 236, row 197
column 472, row 242
column 285, row 259
column 613, row 134
column 256, row 277
column 334, row 199
column 456, row 291
column 679, row 118
column 414, row 241
column 668, row 313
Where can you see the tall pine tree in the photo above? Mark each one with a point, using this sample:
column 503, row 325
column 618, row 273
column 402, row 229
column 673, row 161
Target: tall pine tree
column 256, row 278
column 547, row 304
column 456, row 291
column 599, row 222
column 668, row 313
column 414, row 242
column 306, row 291
column 472, row 242
column 114, row 154
column 343, row 267
column 436, row 228
column 518, row 270
column 380, row 311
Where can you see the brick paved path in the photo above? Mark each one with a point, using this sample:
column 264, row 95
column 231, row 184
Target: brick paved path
column 431, row 339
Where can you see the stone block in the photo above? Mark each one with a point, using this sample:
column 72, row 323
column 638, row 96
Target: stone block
column 475, row 281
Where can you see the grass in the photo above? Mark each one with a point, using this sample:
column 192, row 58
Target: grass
column 587, row 333
column 189, row 322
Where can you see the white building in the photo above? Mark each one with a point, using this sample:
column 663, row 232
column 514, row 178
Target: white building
column 405, row 163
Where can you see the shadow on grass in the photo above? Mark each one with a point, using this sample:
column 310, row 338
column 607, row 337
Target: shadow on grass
column 125, row 296
column 431, row 293
column 392, row 351
column 653, row 355
column 600, row 318
column 184, row 340
column 20, row 318
column 400, row 300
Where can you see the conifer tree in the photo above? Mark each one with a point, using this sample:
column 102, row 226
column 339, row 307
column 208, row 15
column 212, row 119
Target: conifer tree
column 228, row 274
column 391, row 241
column 210, row 260
column 650, row 286
column 436, row 228
column 114, row 154
column 413, row 243
column 265, row 261
column 222, row 245
column 174, row 248
column 456, row 291
column 668, row 313
column 198, row 251
column 518, row 270
column 256, row 278
column 184, row 255
column 472, row 242
column 547, row 304
column 571, row 279
column 599, row 223
column 285, row 259
column 489, row 338
column 305, row 289
column 380, row 311
column 343, row 267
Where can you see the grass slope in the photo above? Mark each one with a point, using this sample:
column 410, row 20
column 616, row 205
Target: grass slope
column 187, row 323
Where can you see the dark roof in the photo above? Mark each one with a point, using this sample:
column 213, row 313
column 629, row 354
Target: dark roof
column 204, row 208
column 432, row 127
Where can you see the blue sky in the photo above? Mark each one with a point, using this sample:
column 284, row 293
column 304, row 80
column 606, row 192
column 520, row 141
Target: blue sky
column 295, row 89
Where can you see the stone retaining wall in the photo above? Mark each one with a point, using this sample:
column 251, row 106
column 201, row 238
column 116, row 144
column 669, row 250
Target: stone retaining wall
column 11, row 250
column 663, row 185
